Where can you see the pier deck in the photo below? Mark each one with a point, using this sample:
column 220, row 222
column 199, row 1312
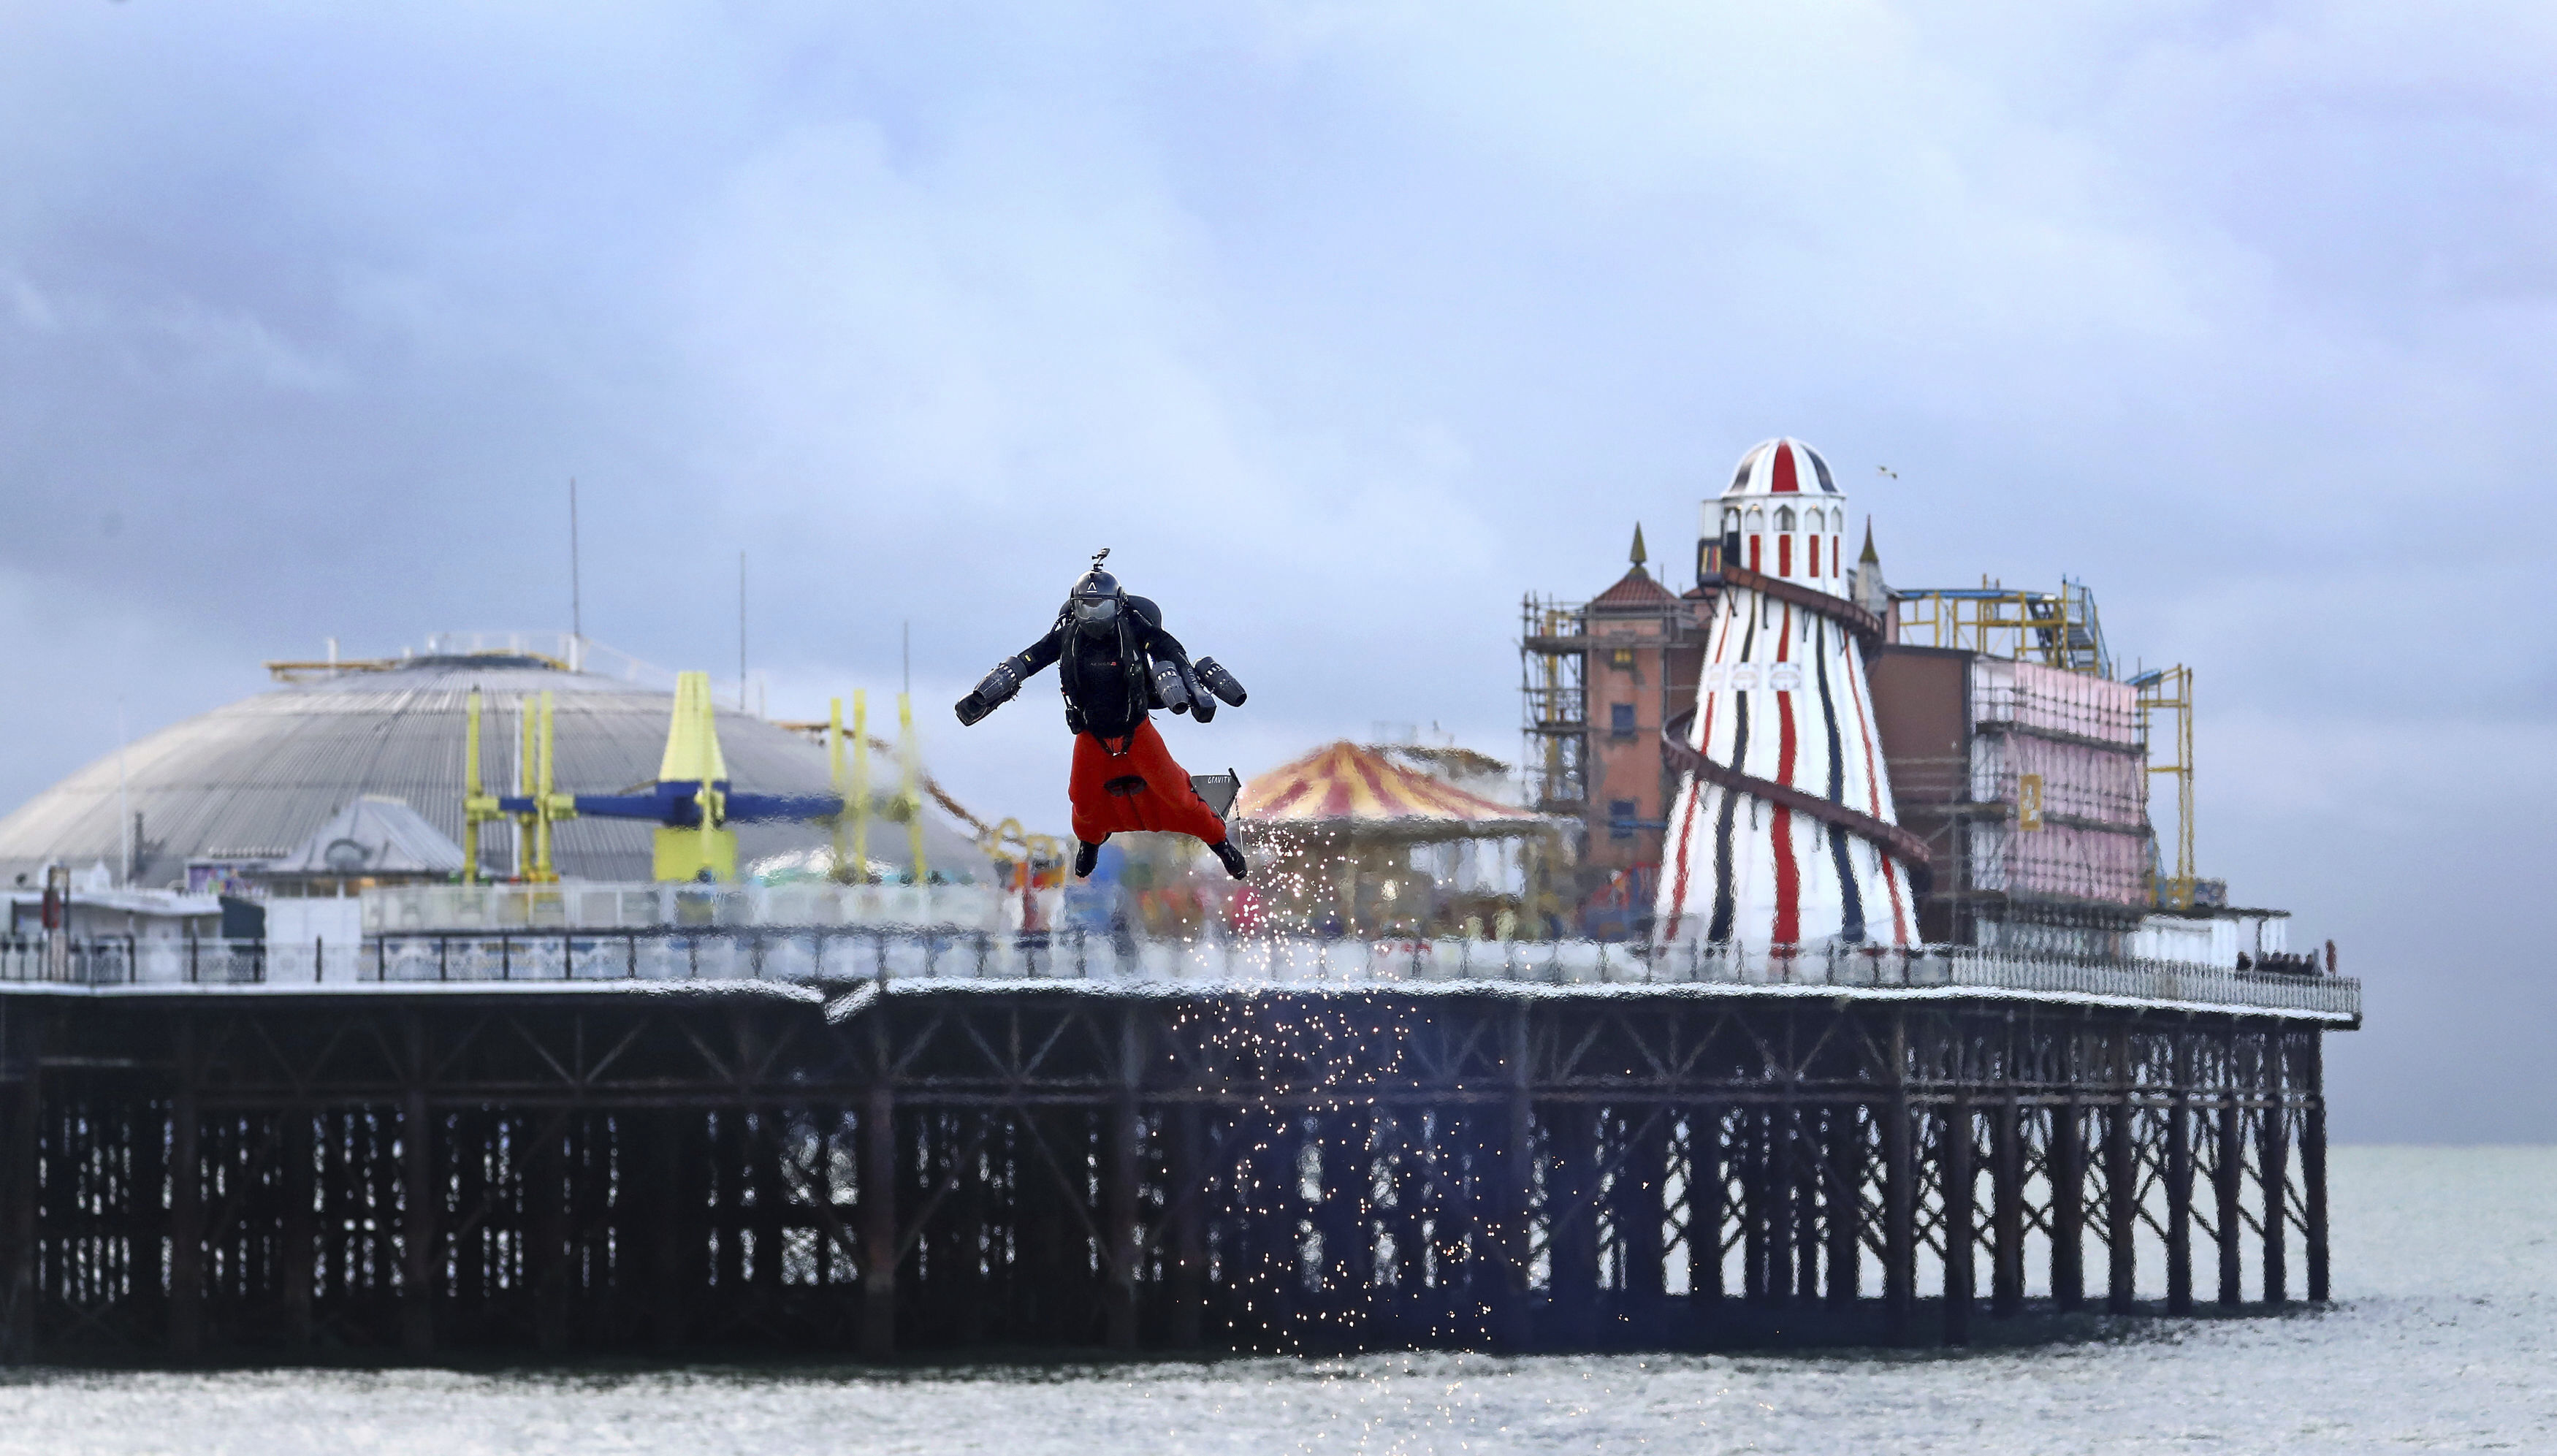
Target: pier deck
column 1126, row 1153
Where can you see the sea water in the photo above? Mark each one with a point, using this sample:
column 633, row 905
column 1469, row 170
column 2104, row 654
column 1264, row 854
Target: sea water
column 2443, row 1337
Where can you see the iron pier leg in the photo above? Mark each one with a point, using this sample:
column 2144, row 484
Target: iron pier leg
column 469, row 1133
column 2006, row 1208
column 546, row 1198
column 764, row 1155
column 677, row 1152
column 1187, row 1194
column 1843, row 1175
column 2179, row 1181
column 2273, row 1169
column 1900, row 1196
column 1756, row 1154
column 977, row 1247
column 20, row 1182
column 1406, row 1317
column 1120, row 1146
column 1267, row 1276
column 1345, row 1280
column 1454, row 1299
column 2121, row 1193
column 185, row 1206
column 878, row 1205
column 1806, row 1202
column 337, row 1191
column 299, row 1188
column 1779, row 1186
column 2068, row 1206
column 1571, row 1219
column 2228, row 1170
column 1960, row 1235
column 727, row 1213
column 1638, row 1217
column 1517, row 1186
column 2312, row 1157
column 1705, row 1212
column 419, row 1266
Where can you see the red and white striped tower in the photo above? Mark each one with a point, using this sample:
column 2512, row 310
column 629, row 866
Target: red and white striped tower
column 1783, row 832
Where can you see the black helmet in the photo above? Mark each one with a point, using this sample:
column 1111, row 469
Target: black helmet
column 1096, row 603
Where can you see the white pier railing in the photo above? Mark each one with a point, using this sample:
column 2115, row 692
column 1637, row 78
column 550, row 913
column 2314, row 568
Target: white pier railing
column 945, row 954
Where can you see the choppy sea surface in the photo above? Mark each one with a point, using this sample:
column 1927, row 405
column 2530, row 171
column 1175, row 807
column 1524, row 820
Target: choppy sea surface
column 2442, row 1338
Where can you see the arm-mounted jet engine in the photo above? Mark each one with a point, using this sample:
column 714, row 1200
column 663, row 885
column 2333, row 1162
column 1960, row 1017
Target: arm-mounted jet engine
column 994, row 692
column 1213, row 675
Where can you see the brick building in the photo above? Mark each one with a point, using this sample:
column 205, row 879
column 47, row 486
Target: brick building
column 1601, row 675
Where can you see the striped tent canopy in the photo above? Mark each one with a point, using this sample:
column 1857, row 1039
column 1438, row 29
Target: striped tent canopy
column 1343, row 787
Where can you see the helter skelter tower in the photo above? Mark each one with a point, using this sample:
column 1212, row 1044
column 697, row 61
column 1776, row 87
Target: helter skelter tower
column 1783, row 831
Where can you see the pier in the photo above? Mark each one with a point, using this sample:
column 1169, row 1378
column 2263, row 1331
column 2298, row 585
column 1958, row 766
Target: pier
column 890, row 1146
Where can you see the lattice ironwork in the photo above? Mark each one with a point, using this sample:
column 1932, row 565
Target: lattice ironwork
column 966, row 1168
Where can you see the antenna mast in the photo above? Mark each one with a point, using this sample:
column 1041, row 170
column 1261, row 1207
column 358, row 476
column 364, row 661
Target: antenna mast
column 575, row 592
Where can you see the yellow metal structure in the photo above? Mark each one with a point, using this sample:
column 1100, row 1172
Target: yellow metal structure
column 1008, row 842
column 693, row 756
column 525, row 717
column 988, row 835
column 2059, row 629
column 478, row 806
column 859, row 867
column 709, row 849
column 2170, row 690
column 535, row 779
column 549, row 805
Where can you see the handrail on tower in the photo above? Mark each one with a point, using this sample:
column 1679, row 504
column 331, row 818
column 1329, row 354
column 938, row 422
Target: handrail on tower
column 2056, row 629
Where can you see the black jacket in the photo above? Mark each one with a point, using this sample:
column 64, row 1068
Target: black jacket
column 1107, row 683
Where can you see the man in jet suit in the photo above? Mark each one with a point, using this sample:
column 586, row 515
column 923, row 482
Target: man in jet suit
column 1117, row 664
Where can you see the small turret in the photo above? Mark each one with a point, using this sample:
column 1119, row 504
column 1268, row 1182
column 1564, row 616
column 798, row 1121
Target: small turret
column 1866, row 585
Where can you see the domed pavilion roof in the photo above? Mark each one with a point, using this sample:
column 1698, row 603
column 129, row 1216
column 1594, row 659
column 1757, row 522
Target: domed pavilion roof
column 1782, row 467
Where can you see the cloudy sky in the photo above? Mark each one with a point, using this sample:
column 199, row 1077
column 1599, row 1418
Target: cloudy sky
column 1342, row 324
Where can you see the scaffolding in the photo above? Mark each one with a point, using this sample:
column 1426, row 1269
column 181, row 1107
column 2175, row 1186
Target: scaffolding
column 2169, row 689
column 2062, row 631
column 1554, row 687
column 2056, row 629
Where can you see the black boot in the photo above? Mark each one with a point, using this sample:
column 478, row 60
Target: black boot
column 1231, row 857
column 1086, row 855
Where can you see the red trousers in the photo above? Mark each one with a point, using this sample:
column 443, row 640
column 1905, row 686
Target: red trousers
column 1138, row 787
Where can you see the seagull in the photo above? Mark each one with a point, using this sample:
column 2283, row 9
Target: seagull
column 1886, row 469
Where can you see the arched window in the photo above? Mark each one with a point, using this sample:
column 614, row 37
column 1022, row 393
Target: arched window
column 1757, row 519
column 1784, row 518
column 1730, row 520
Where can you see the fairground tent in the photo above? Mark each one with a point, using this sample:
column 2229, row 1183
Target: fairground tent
column 1358, row 843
